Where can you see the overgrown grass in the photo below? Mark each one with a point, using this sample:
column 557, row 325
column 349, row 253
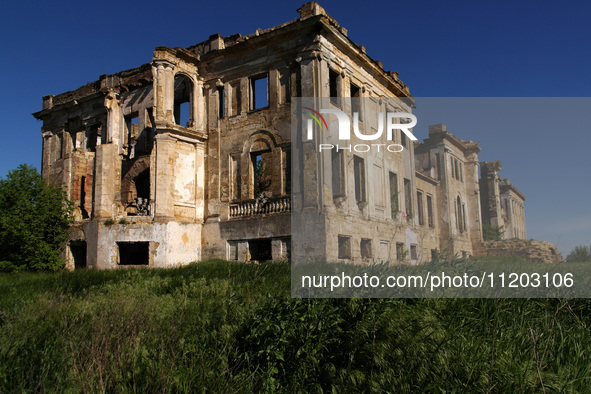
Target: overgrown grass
column 219, row 326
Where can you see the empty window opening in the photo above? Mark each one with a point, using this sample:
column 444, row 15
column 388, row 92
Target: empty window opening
column 420, row 208
column 261, row 170
column 285, row 86
column 400, row 252
column 403, row 139
column 83, row 210
column 438, row 164
column 453, row 174
column 356, row 100
column 393, row 194
column 344, row 247
column 407, row 198
column 333, row 78
column 133, row 132
column 134, row 253
column 259, row 92
column 430, row 211
column 338, row 188
column 296, row 83
column 260, row 250
column 78, row 251
column 183, row 94
column 221, row 103
column 93, row 137
column 464, row 217
column 413, row 252
column 359, row 169
column 459, row 220
column 366, row 248
column 456, row 168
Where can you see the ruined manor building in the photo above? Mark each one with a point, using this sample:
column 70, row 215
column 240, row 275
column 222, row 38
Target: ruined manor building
column 190, row 156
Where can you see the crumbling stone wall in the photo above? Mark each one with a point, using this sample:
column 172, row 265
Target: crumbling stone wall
column 539, row 251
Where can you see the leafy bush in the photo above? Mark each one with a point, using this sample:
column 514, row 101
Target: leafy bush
column 34, row 219
column 580, row 254
column 493, row 233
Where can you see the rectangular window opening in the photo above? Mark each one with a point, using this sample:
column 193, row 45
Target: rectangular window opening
column 394, row 208
column 259, row 92
column 359, row 169
column 344, row 247
column 333, row 78
column 221, row 103
column 408, row 198
column 366, row 248
column 420, row 208
column 260, row 249
column 356, row 100
column 337, row 174
column 400, row 252
column 430, row 211
column 134, row 253
column 78, row 251
column 413, row 252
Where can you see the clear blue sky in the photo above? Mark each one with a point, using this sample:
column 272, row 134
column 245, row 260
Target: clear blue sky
column 471, row 48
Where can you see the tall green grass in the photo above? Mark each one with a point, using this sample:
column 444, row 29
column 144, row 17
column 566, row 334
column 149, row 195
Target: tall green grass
column 219, row 326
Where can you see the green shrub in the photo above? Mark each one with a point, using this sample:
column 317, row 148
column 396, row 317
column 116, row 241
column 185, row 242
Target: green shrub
column 493, row 233
column 580, row 254
column 34, row 219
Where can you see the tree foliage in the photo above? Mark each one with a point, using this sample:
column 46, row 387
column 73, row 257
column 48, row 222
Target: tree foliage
column 579, row 254
column 34, row 219
column 493, row 233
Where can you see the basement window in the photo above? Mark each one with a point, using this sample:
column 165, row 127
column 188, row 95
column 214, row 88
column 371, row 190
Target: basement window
column 259, row 92
column 134, row 253
column 260, row 249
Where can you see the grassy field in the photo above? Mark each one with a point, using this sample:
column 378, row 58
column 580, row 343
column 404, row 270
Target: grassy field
column 218, row 326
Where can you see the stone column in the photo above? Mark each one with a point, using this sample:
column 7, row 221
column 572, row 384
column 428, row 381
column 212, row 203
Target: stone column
column 164, row 204
column 163, row 72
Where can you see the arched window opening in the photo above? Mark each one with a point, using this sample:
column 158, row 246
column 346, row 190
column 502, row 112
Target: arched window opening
column 183, row 98
column 135, row 188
